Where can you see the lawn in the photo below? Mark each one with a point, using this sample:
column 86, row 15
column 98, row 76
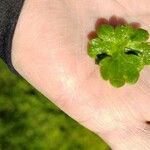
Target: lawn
column 28, row 121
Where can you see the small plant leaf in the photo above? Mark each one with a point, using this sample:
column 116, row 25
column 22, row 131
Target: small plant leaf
column 123, row 32
column 106, row 32
column 121, row 69
column 122, row 52
column 97, row 46
column 140, row 35
column 143, row 50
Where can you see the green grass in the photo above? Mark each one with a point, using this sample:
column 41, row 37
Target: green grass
column 28, row 121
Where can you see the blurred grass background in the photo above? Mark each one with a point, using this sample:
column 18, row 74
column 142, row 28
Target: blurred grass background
column 28, row 121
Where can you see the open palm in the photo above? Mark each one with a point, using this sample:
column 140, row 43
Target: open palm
column 50, row 51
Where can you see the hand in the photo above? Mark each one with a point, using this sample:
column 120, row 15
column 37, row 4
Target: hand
column 50, row 51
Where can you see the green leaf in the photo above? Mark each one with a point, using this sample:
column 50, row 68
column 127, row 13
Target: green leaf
column 132, row 67
column 125, row 50
column 120, row 69
column 143, row 50
column 98, row 46
column 131, row 74
column 115, row 73
column 123, row 32
column 106, row 32
column 117, row 82
column 140, row 35
column 105, row 65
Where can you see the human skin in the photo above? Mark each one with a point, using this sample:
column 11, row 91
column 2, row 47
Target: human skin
column 50, row 51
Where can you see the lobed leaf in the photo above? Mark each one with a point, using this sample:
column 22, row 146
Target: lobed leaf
column 105, row 65
column 140, row 35
column 98, row 46
column 123, row 32
column 121, row 69
column 143, row 50
column 106, row 32
column 122, row 52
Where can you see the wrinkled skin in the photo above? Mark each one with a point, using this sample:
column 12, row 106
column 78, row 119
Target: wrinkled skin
column 50, row 52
